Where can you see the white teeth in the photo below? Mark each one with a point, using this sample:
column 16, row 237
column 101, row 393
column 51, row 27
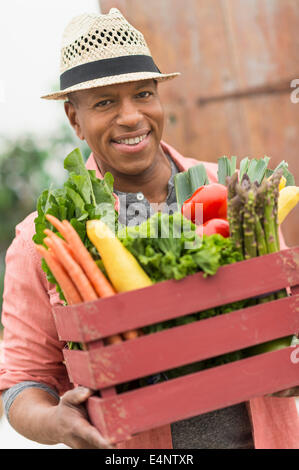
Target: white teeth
column 133, row 141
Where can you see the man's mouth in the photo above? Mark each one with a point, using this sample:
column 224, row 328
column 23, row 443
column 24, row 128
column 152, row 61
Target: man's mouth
column 132, row 141
column 132, row 144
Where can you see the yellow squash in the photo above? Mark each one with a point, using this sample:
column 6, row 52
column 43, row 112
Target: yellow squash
column 122, row 268
column 288, row 198
column 282, row 183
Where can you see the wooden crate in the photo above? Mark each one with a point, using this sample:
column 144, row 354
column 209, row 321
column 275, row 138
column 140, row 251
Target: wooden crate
column 121, row 415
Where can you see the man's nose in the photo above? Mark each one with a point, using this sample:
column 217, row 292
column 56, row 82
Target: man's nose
column 129, row 115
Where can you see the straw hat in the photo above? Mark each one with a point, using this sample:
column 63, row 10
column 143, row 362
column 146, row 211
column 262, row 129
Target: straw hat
column 99, row 50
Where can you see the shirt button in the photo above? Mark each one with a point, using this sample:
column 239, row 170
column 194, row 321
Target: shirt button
column 140, row 196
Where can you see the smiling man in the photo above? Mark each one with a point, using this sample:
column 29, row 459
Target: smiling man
column 123, row 125
column 109, row 83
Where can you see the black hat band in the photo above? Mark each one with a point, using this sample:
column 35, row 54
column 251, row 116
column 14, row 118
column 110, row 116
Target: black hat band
column 107, row 68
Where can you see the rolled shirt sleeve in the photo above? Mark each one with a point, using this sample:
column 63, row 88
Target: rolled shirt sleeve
column 32, row 350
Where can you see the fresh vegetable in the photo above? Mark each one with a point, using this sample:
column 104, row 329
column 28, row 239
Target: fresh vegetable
column 283, row 165
column 213, row 198
column 99, row 282
column 83, row 197
column 121, row 266
column 76, row 283
column 167, row 247
column 253, row 220
column 81, row 281
column 226, row 167
column 288, row 199
column 212, row 226
column 69, row 290
column 282, row 183
column 252, row 215
column 187, row 182
column 256, row 170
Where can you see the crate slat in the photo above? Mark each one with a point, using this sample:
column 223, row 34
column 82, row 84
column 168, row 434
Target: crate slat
column 186, row 344
column 170, row 299
column 81, row 373
column 119, row 417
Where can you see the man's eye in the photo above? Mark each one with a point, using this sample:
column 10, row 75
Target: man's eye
column 102, row 104
column 144, row 94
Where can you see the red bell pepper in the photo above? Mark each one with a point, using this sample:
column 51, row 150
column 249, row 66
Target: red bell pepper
column 220, row 226
column 213, row 198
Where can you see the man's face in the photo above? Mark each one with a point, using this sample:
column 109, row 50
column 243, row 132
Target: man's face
column 122, row 124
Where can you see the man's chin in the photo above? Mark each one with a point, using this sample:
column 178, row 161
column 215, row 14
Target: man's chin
column 134, row 170
column 133, row 166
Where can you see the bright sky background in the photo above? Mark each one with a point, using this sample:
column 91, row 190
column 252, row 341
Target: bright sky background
column 30, row 37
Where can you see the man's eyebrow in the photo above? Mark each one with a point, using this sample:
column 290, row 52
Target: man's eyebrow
column 143, row 85
column 102, row 95
column 108, row 93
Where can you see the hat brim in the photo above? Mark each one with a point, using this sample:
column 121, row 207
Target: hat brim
column 113, row 80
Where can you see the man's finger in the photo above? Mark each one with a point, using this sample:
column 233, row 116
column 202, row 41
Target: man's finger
column 90, row 434
column 76, row 396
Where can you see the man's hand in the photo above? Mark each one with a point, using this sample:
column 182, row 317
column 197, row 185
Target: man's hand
column 71, row 422
column 38, row 416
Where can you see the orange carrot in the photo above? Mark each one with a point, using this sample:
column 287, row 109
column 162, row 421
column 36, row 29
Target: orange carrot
column 69, row 290
column 101, row 284
column 87, row 263
column 115, row 339
column 75, row 272
column 65, row 244
column 57, row 224
column 132, row 334
column 83, row 257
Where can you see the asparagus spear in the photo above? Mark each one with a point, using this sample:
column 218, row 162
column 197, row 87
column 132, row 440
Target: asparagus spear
column 259, row 211
column 270, row 214
column 250, row 245
column 234, row 212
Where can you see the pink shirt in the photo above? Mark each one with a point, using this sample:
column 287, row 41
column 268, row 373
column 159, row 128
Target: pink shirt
column 32, row 350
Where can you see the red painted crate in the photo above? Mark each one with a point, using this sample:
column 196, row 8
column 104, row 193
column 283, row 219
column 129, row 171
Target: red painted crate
column 121, row 415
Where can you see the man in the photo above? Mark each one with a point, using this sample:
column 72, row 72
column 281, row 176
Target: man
column 109, row 82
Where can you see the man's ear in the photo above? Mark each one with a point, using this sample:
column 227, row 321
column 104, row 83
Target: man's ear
column 71, row 112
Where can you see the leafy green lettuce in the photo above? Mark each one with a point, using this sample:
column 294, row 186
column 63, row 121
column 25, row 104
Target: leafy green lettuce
column 83, row 197
column 167, row 247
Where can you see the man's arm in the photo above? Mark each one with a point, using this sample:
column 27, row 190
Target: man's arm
column 32, row 353
column 39, row 416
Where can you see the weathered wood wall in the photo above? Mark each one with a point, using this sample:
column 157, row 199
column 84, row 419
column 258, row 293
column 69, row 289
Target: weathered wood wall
column 237, row 59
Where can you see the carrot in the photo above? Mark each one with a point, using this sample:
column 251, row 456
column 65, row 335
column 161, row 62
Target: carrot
column 65, row 244
column 75, row 272
column 83, row 257
column 115, row 339
column 131, row 334
column 69, row 290
column 100, row 283
column 57, row 224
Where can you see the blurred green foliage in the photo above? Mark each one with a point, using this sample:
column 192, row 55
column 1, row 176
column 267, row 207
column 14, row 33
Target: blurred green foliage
column 28, row 165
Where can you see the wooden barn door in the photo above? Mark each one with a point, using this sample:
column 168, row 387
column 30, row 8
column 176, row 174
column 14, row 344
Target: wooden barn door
column 237, row 60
